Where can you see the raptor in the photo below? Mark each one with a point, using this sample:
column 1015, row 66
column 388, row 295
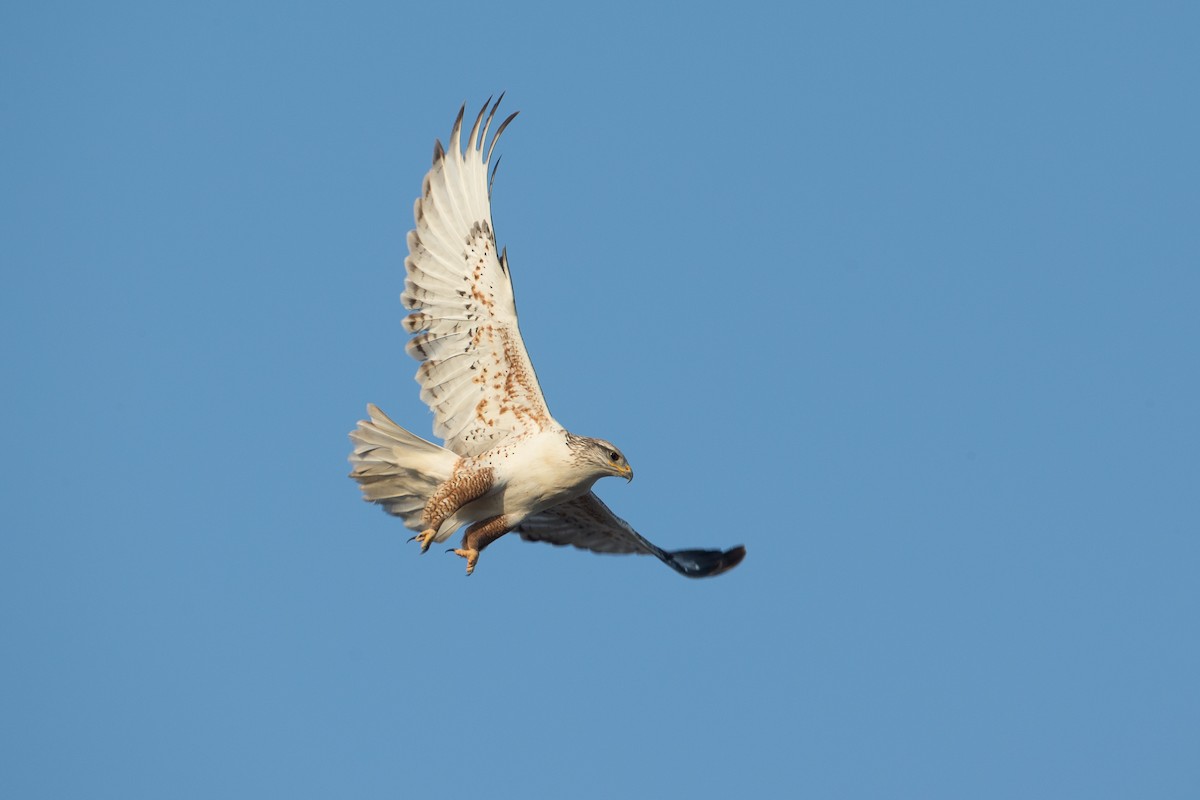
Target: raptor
column 506, row 465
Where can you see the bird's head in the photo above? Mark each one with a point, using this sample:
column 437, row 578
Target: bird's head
column 607, row 459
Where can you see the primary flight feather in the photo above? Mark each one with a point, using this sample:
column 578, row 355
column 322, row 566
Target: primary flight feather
column 506, row 464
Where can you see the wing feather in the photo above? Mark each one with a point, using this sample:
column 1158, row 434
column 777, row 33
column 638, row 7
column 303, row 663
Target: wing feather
column 475, row 374
column 588, row 524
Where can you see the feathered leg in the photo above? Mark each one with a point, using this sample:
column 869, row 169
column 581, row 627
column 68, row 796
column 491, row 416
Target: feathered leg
column 479, row 536
column 466, row 484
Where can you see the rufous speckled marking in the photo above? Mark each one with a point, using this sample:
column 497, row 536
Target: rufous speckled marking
column 479, row 536
column 484, row 532
column 467, row 483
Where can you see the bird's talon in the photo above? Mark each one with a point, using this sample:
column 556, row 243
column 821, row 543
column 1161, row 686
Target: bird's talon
column 472, row 557
column 425, row 537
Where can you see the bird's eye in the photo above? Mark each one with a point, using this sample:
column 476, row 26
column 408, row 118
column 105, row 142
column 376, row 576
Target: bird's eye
column 614, row 456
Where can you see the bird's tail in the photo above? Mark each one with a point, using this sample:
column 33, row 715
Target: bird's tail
column 397, row 469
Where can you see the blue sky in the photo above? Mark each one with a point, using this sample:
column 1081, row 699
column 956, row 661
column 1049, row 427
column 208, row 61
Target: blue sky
column 902, row 298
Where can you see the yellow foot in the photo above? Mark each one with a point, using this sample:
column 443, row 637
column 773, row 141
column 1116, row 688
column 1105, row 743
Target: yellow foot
column 472, row 557
column 425, row 537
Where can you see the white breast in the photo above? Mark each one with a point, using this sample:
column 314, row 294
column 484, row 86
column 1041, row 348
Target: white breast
column 538, row 473
column 530, row 475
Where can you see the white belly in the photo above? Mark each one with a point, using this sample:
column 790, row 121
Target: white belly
column 530, row 476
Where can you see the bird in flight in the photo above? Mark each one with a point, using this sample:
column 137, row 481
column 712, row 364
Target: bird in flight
column 507, row 465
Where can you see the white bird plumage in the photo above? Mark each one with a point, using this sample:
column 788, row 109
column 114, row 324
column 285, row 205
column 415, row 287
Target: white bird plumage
column 507, row 463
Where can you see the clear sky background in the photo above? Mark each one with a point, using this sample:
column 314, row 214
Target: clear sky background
column 904, row 297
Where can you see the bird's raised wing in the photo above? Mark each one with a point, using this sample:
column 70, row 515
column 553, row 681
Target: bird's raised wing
column 589, row 524
column 475, row 374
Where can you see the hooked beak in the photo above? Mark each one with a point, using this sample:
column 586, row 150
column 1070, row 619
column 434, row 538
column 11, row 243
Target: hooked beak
column 625, row 472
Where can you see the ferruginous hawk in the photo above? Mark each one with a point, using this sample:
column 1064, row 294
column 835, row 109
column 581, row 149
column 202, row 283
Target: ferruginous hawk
column 507, row 465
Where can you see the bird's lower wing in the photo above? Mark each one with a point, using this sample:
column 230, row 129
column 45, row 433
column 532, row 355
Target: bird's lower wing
column 589, row 524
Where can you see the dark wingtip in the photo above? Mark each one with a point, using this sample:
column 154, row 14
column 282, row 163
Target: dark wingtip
column 705, row 563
